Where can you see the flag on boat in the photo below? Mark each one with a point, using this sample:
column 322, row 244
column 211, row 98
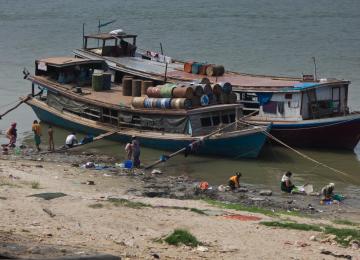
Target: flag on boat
column 107, row 23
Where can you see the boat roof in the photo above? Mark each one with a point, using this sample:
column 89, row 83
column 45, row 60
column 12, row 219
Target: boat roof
column 66, row 61
column 242, row 82
column 109, row 36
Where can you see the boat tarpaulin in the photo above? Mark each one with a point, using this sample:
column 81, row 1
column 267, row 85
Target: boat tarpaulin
column 305, row 85
column 264, row 98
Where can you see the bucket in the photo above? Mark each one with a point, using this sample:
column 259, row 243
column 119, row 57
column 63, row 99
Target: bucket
column 187, row 66
column 215, row 70
column 136, row 87
column 138, row 102
column 97, row 82
column 128, row 164
column 106, row 81
column 226, row 87
column 145, row 84
column 204, row 100
column 182, row 92
column 127, row 86
column 195, row 67
column 180, row 103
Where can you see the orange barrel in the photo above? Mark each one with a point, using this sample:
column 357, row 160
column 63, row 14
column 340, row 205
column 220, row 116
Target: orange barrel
column 153, row 92
column 215, row 70
column 166, row 90
column 232, row 98
column 145, row 84
column 187, row 66
column 224, row 98
column 206, row 88
column 216, row 89
column 127, row 87
column 195, row 67
column 197, row 89
column 138, row 102
column 136, row 87
column 195, row 101
column 183, row 92
column 205, row 81
column 180, row 103
column 226, row 87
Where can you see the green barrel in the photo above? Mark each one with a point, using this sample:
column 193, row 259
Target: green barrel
column 97, row 82
column 166, row 90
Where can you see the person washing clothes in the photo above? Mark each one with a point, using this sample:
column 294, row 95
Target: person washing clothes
column 129, row 150
column 36, row 128
column 11, row 134
column 328, row 191
column 234, row 181
column 71, row 140
column 136, row 151
column 286, row 183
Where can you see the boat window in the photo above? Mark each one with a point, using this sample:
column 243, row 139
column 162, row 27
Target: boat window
column 225, row 119
column 288, row 96
column 216, row 120
column 205, row 121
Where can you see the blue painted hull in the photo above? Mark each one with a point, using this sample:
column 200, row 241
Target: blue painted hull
column 241, row 146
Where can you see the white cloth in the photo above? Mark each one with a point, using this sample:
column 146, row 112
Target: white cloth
column 71, row 139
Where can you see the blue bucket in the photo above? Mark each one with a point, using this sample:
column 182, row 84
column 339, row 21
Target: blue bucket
column 128, row 164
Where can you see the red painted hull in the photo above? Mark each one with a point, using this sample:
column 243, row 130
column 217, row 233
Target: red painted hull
column 343, row 135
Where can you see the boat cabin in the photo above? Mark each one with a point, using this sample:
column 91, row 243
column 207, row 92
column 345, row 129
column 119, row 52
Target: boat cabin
column 117, row 44
column 303, row 101
column 67, row 85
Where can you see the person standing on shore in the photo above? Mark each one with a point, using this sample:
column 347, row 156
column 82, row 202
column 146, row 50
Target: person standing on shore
column 36, row 128
column 286, row 183
column 234, row 181
column 136, row 151
column 11, row 134
column 327, row 191
column 129, row 150
column 51, row 138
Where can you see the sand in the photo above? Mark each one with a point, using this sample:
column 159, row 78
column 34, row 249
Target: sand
column 77, row 227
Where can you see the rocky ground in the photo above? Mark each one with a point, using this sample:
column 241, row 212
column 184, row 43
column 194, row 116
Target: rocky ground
column 128, row 213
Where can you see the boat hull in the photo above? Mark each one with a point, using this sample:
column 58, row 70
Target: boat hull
column 238, row 146
column 332, row 133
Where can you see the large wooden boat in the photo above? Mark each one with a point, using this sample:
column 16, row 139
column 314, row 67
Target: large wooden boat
column 304, row 111
column 70, row 99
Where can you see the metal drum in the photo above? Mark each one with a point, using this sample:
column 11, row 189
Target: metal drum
column 197, row 89
column 163, row 103
column 183, row 92
column 205, row 81
column 187, row 66
column 139, row 102
column 107, row 81
column 180, row 103
column 195, row 67
column 216, row 89
column 204, row 100
column 145, row 84
column 195, row 101
column 226, row 87
column 148, row 102
column 136, row 87
column 167, row 90
column 232, row 98
column 206, row 88
column 97, row 82
column 215, row 70
column 153, row 92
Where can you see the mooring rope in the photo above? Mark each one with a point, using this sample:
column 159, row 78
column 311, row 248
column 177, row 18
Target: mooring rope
column 300, row 153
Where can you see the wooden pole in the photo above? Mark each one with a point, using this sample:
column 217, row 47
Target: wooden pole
column 13, row 108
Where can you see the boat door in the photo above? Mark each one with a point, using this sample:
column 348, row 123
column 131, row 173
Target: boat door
column 314, row 106
column 336, row 99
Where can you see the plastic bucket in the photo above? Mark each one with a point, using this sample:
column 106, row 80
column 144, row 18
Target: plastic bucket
column 128, row 164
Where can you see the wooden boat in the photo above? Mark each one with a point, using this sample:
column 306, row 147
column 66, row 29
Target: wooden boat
column 71, row 99
column 304, row 112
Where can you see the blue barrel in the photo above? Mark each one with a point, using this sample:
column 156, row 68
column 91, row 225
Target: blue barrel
column 148, row 102
column 204, row 100
column 226, row 87
column 164, row 103
column 195, row 67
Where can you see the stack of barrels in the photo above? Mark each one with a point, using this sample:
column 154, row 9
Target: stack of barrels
column 211, row 70
column 185, row 95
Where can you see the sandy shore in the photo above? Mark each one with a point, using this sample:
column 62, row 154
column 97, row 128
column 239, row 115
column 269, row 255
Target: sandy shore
column 85, row 222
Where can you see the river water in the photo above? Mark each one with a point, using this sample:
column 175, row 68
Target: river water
column 263, row 37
